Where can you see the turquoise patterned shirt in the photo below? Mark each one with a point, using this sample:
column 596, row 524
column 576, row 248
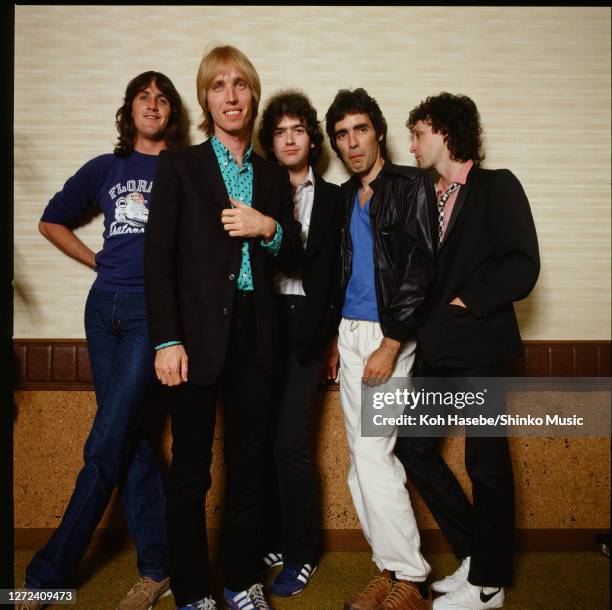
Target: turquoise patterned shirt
column 239, row 184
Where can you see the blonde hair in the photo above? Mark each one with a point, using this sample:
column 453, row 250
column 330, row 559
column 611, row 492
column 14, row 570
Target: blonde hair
column 217, row 60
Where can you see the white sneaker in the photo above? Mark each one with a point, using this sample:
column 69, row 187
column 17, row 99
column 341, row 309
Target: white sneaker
column 470, row 597
column 455, row 580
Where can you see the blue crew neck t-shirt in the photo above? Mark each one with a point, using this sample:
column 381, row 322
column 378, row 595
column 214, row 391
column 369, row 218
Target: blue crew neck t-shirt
column 360, row 299
column 121, row 188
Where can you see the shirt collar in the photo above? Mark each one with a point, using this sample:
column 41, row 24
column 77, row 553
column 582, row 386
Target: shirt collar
column 387, row 166
column 308, row 181
column 460, row 178
column 223, row 153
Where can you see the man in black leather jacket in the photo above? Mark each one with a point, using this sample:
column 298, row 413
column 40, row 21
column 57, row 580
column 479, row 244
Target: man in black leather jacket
column 388, row 267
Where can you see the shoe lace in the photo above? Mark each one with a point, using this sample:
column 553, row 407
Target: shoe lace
column 400, row 593
column 206, row 604
column 257, row 597
column 146, row 585
column 376, row 583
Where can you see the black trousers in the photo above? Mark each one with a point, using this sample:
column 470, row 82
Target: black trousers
column 245, row 392
column 292, row 522
column 485, row 530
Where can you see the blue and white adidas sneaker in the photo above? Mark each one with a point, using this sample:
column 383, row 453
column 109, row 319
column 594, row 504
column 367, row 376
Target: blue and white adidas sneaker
column 249, row 599
column 208, row 603
column 269, row 561
column 292, row 579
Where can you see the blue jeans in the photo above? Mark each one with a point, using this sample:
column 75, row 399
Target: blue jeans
column 116, row 451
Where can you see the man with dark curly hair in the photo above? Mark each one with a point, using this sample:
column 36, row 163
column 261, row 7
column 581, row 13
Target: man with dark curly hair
column 488, row 258
column 306, row 304
column 387, row 270
column 117, row 452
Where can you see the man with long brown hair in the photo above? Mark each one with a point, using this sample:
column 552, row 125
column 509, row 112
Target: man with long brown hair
column 222, row 219
column 117, row 452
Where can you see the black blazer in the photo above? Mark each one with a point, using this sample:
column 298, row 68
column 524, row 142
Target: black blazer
column 319, row 268
column 489, row 258
column 191, row 263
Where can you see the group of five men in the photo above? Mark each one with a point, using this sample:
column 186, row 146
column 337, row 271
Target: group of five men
column 255, row 270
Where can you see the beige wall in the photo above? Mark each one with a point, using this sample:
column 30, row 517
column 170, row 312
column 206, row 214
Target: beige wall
column 540, row 77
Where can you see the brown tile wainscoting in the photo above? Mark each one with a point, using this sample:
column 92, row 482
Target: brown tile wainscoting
column 63, row 364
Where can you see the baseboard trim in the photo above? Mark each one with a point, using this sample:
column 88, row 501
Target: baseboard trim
column 349, row 540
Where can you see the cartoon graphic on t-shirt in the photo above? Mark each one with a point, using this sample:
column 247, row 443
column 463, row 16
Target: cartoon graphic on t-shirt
column 131, row 214
column 131, row 209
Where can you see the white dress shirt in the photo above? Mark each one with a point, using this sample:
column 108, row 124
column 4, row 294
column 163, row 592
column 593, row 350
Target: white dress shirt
column 303, row 199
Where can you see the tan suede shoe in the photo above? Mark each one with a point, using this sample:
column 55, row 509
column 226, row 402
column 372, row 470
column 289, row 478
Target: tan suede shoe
column 144, row 594
column 372, row 597
column 27, row 605
column 405, row 595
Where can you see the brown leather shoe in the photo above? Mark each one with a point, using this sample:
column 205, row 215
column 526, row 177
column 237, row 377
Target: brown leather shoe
column 405, row 595
column 372, row 597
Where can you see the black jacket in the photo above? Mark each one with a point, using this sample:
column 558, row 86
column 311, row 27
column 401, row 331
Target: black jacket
column 319, row 269
column 404, row 231
column 191, row 263
column 488, row 258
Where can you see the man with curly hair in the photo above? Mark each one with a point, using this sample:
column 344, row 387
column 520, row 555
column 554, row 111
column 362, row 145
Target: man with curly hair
column 488, row 258
column 306, row 306
column 387, row 270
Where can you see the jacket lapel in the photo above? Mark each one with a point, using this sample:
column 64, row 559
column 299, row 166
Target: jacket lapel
column 212, row 174
column 261, row 191
column 261, row 184
column 462, row 197
column 321, row 219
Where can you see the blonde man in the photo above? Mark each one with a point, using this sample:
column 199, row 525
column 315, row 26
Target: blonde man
column 221, row 223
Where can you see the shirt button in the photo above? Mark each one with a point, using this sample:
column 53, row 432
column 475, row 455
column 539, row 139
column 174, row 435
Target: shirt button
column 232, row 276
column 225, row 311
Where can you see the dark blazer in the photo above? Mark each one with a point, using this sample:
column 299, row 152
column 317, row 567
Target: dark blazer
column 489, row 258
column 319, row 268
column 191, row 263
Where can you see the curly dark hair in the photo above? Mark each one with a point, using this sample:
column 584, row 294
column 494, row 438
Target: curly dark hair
column 457, row 118
column 292, row 103
column 356, row 102
column 175, row 129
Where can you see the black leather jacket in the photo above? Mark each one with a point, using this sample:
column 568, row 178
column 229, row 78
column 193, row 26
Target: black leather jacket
column 404, row 231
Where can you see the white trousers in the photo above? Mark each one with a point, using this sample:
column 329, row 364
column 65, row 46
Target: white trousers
column 376, row 477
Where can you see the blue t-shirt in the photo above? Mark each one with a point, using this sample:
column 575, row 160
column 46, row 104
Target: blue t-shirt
column 121, row 188
column 360, row 299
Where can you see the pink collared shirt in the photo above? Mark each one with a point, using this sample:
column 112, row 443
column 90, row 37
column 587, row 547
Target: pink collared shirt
column 460, row 178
